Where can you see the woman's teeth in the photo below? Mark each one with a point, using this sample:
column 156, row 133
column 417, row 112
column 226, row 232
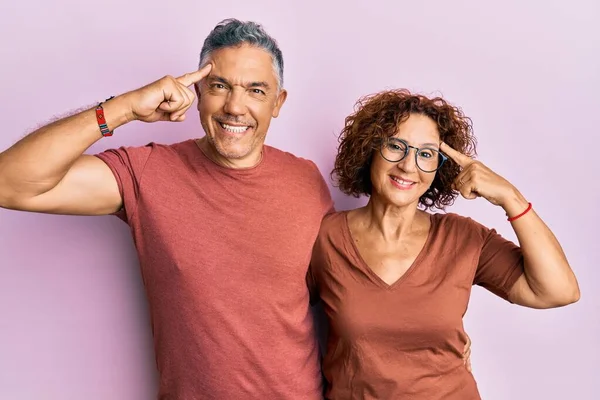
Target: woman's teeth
column 402, row 182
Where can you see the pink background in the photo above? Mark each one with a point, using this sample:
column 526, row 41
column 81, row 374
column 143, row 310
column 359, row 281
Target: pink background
column 73, row 316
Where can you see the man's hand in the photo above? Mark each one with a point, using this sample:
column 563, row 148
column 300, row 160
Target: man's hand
column 47, row 170
column 467, row 354
column 166, row 99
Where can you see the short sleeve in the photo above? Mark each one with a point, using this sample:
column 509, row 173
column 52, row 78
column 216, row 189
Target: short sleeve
column 127, row 164
column 500, row 264
column 327, row 204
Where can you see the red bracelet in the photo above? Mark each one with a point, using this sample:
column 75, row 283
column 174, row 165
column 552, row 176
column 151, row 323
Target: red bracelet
column 102, row 120
column 520, row 215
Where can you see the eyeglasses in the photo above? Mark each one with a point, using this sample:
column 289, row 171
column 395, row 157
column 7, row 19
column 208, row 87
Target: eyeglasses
column 427, row 159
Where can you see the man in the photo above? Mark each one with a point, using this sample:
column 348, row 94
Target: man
column 223, row 226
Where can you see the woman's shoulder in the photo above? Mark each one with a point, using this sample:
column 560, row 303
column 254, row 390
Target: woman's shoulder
column 449, row 221
column 334, row 221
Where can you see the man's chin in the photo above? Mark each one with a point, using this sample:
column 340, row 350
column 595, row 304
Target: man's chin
column 233, row 152
column 234, row 149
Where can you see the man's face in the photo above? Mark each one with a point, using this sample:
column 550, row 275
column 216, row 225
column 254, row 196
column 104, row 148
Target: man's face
column 236, row 102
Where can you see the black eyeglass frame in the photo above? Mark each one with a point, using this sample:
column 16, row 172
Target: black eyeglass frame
column 407, row 148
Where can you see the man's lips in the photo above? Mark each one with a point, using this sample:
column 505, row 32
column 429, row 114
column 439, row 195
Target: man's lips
column 234, row 128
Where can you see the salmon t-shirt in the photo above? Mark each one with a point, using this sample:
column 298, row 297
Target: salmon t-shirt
column 405, row 340
column 224, row 255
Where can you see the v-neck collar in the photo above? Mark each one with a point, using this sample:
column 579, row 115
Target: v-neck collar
column 433, row 220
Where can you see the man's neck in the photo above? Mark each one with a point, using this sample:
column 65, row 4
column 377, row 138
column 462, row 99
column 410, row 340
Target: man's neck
column 243, row 163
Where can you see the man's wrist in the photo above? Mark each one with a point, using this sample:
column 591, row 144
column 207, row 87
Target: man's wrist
column 117, row 112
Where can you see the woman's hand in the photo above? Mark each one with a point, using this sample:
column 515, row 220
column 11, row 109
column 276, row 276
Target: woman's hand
column 477, row 180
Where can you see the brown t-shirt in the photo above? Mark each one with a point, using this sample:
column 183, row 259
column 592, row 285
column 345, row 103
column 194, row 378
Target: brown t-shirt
column 224, row 255
column 405, row 340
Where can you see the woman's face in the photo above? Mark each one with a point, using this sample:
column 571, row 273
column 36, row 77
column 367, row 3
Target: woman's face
column 402, row 183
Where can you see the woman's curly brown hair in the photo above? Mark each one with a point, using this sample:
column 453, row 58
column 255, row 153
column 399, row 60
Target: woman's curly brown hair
column 376, row 118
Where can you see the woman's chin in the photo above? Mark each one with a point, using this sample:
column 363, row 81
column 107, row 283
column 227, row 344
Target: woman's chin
column 400, row 200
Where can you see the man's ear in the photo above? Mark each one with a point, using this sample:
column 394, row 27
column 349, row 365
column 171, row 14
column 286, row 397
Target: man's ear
column 279, row 102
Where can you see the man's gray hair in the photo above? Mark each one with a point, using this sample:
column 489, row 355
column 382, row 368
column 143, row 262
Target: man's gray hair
column 232, row 33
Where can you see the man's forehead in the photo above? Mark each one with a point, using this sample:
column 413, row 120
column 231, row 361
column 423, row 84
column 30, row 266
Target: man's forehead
column 247, row 62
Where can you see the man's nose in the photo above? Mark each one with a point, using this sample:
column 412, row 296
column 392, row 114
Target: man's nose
column 235, row 104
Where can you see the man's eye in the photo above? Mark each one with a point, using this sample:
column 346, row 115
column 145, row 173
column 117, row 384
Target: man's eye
column 258, row 91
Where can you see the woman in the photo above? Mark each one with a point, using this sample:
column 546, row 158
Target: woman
column 395, row 279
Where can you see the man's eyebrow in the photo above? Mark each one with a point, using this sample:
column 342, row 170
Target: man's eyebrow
column 216, row 78
column 262, row 84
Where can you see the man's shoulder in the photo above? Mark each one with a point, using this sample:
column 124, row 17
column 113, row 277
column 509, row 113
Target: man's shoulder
column 290, row 162
column 283, row 156
column 301, row 176
column 185, row 146
column 154, row 147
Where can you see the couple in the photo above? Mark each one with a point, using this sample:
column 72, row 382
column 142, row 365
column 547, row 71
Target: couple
column 226, row 227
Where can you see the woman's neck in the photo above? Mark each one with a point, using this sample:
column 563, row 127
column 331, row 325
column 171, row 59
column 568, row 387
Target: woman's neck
column 391, row 222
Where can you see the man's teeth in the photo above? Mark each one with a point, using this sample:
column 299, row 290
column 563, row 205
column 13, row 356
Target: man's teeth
column 400, row 181
column 235, row 129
